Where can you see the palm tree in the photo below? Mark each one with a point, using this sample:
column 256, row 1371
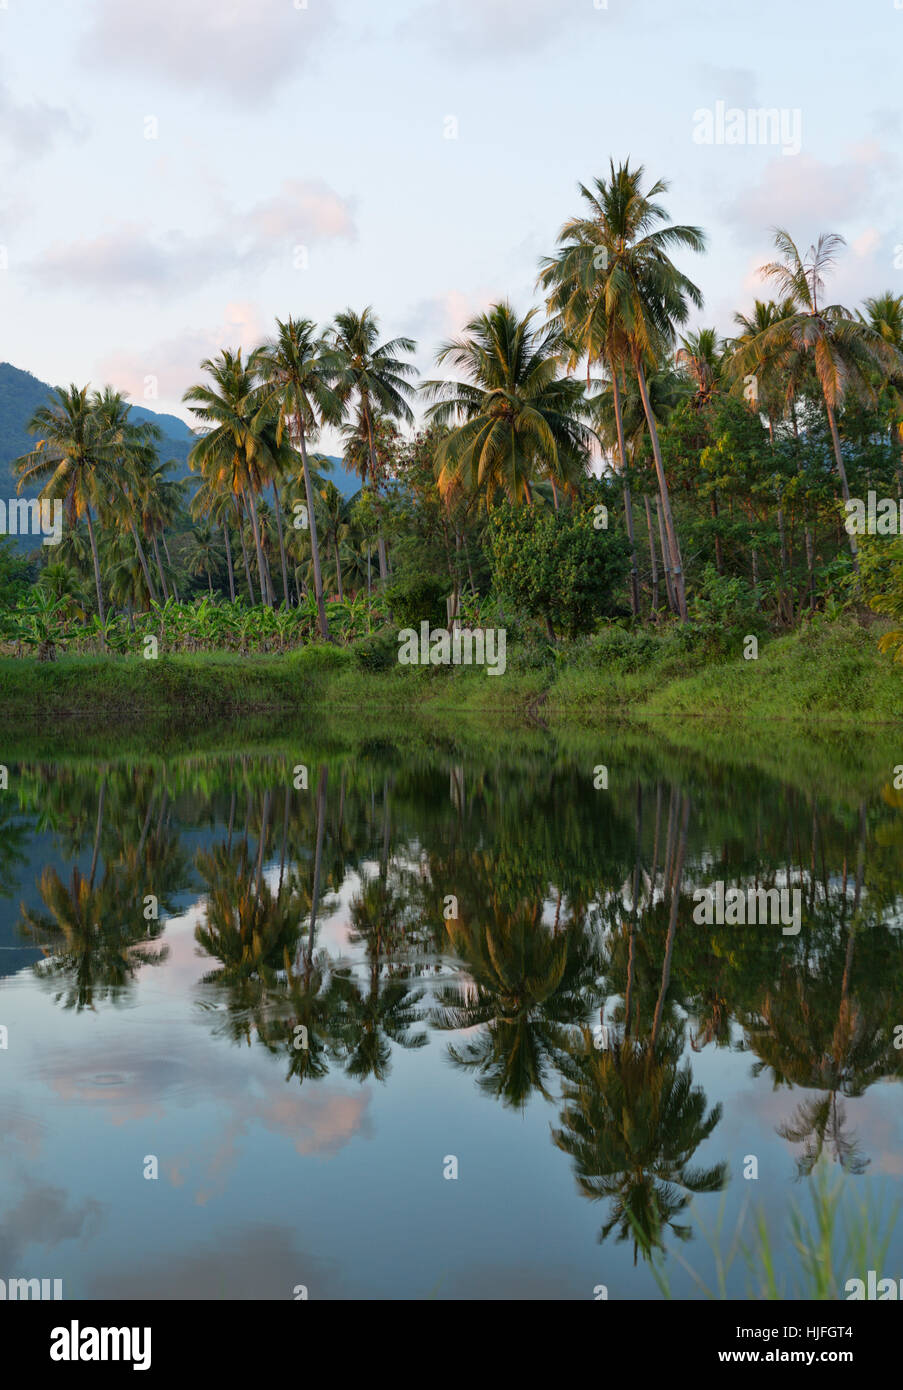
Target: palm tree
column 373, row 378
column 233, row 449
column 700, row 356
column 616, row 260
column 134, row 452
column 884, row 314
column 204, row 557
column 517, row 417
column 297, row 373
column 843, row 350
column 73, row 458
column 334, row 511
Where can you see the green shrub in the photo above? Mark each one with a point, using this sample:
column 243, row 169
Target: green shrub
column 378, row 652
column 556, row 565
column 418, row 598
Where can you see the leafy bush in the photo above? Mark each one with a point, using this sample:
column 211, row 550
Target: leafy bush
column 556, row 565
column 378, row 652
column 417, row 598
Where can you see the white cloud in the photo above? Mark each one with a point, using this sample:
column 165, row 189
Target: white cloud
column 243, row 49
column 174, row 363
column 129, row 258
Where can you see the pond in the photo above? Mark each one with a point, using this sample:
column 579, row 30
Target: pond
column 299, row 1014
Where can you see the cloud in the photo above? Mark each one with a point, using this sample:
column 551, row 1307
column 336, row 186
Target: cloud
column 811, row 193
column 734, row 86
column 492, row 29
column 28, row 131
column 241, row 49
column 174, row 363
column 42, row 1217
column 131, row 259
column 260, row 1262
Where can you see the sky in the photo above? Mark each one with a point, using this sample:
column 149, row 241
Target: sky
column 174, row 175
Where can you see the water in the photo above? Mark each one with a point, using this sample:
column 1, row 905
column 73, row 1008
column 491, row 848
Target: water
column 483, row 903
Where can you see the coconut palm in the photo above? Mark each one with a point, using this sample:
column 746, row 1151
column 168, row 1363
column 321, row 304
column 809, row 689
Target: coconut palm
column 844, row 351
column 615, row 261
column 232, row 449
column 884, row 313
column 700, row 356
column 74, row 459
column 517, row 418
column 371, row 379
column 297, row 375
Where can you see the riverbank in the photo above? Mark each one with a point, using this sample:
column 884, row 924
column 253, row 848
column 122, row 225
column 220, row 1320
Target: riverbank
column 827, row 673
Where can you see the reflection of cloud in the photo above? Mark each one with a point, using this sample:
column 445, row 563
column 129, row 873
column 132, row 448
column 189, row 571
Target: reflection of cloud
column 242, row 49
column 257, row 1263
column 42, row 1217
column 130, row 258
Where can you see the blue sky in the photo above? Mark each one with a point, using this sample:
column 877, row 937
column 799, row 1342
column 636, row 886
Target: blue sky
column 280, row 125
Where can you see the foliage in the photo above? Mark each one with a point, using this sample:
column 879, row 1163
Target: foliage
column 556, row 565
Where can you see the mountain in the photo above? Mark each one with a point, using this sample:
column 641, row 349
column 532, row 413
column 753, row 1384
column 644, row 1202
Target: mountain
column 21, row 394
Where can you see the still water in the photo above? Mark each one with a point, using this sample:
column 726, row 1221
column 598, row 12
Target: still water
column 410, row 1017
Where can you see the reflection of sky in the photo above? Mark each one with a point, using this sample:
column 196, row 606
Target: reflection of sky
column 266, row 1184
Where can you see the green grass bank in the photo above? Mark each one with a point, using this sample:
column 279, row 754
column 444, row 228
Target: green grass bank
column 829, row 672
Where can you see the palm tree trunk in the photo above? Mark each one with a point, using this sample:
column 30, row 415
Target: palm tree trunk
column 145, row 569
column 669, row 590
column 229, row 562
column 96, row 558
column 377, row 507
column 314, row 542
column 282, row 560
column 159, row 566
column 255, row 530
column 338, row 572
column 175, row 588
column 652, row 554
column 842, row 474
column 628, row 508
column 676, row 566
column 244, row 553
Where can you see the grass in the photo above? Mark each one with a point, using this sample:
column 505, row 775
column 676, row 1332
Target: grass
column 829, row 673
column 849, row 1234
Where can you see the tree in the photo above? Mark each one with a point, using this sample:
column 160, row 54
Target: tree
column 232, row 449
column 73, row 458
column 556, row 565
column 518, row 417
column 372, row 379
column 297, row 373
column 843, row 350
column 616, row 258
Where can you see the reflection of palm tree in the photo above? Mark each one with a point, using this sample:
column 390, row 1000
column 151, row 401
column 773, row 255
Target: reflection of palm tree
column 813, row 1031
column 528, row 986
column 248, row 929
column 632, row 1120
column 92, row 946
column 388, row 1010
